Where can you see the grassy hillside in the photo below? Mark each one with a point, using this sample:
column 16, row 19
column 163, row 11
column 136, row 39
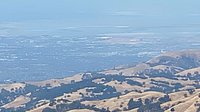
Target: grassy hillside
column 166, row 83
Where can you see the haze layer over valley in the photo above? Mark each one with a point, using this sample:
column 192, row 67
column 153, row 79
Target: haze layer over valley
column 82, row 49
column 52, row 39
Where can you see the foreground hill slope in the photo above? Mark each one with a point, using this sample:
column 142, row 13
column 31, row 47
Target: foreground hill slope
column 166, row 83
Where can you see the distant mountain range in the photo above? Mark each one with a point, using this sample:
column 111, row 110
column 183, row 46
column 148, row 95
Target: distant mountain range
column 166, row 83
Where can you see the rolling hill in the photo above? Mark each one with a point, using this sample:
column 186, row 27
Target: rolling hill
column 166, row 83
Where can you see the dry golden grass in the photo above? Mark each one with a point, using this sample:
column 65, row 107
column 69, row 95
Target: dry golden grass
column 18, row 102
column 133, row 70
column 178, row 95
column 176, row 54
column 81, row 110
column 74, row 95
column 171, row 81
column 14, row 86
column 192, row 71
column 147, row 82
column 110, row 72
column 186, row 105
column 98, row 81
column 39, row 109
column 123, row 100
column 160, row 67
column 57, row 82
column 127, row 71
column 121, row 87
column 186, row 87
column 181, row 103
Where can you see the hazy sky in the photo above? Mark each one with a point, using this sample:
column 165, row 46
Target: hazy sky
column 50, row 9
column 101, row 12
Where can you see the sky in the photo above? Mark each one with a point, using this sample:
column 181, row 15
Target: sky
column 138, row 13
column 19, row 10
